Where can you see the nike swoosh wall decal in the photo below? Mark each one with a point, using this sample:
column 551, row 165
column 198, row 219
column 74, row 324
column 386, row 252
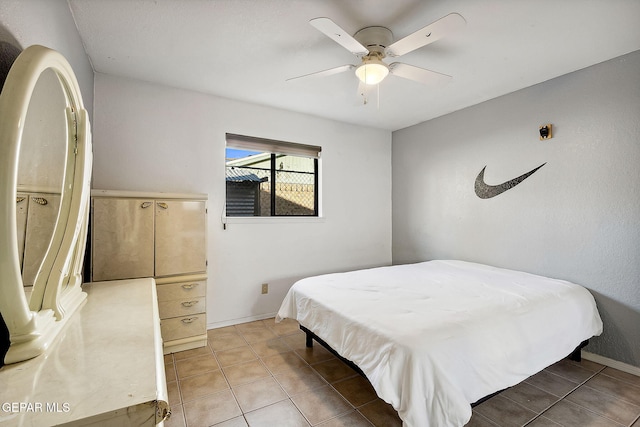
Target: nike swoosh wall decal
column 486, row 191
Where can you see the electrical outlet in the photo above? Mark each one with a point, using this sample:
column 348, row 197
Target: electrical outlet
column 265, row 288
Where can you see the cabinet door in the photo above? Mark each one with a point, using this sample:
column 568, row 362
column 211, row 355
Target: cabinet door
column 180, row 237
column 122, row 238
column 41, row 220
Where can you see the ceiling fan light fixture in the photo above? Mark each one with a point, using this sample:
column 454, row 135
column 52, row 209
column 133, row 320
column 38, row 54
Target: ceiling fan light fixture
column 372, row 71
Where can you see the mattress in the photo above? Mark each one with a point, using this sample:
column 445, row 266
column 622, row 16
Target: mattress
column 436, row 336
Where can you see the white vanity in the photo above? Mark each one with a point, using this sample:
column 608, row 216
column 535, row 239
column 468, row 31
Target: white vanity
column 77, row 354
column 104, row 368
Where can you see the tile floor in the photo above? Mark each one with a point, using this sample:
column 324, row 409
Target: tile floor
column 261, row 374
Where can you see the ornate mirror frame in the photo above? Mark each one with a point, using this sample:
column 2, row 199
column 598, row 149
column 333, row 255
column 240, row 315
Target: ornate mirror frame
column 57, row 292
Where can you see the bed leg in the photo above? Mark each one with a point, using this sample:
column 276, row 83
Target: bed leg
column 576, row 355
column 309, row 340
column 309, row 335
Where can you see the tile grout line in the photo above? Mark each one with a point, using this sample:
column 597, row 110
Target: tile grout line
column 233, row 393
column 289, row 397
column 484, row 417
column 277, row 382
column 175, row 370
column 622, row 381
column 272, row 376
column 326, row 383
column 565, row 395
column 356, row 408
column 616, row 397
column 289, row 349
column 179, row 381
column 292, row 347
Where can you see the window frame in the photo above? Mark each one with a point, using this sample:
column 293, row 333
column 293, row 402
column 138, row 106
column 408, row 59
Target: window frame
column 276, row 148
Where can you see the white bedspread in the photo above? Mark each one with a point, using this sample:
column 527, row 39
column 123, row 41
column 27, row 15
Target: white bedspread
column 435, row 337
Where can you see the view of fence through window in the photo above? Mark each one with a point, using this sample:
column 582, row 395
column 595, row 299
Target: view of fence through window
column 270, row 184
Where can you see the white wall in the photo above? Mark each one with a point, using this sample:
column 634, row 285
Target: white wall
column 48, row 23
column 577, row 218
column 154, row 138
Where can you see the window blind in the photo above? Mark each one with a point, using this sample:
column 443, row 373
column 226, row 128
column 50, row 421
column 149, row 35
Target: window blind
column 252, row 143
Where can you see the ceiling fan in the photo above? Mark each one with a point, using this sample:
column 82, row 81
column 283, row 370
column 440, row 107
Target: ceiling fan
column 372, row 44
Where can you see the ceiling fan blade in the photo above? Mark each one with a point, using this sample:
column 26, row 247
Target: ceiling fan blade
column 420, row 75
column 340, row 36
column 432, row 32
column 324, row 73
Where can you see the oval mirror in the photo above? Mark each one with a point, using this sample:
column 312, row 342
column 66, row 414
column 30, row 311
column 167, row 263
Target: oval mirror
column 41, row 163
column 45, row 160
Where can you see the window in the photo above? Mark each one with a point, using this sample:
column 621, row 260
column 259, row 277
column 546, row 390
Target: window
column 270, row 178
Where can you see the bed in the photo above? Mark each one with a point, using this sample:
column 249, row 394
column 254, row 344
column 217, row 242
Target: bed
column 436, row 336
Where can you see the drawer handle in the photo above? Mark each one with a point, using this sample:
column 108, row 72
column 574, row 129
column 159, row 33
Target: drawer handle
column 189, row 320
column 40, row 200
column 189, row 303
column 163, row 205
column 189, row 286
column 145, row 205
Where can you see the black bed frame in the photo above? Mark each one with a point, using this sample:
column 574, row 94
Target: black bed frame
column 575, row 356
column 311, row 336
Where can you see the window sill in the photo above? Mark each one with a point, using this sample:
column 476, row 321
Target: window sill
column 272, row 219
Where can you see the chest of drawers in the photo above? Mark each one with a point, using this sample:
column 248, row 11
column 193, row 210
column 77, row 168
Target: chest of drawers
column 159, row 235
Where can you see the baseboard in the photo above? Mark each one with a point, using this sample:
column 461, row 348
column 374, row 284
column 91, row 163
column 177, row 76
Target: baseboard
column 232, row 322
column 184, row 344
column 621, row 366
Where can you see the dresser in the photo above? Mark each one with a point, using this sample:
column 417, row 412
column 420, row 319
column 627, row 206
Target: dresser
column 104, row 368
column 159, row 235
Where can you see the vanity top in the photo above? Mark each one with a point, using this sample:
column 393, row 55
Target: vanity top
column 106, row 364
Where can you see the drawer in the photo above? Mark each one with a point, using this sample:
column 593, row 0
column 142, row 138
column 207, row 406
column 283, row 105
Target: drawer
column 183, row 327
column 181, row 290
column 184, row 307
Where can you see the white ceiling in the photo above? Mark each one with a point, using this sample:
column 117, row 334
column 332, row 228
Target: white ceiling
column 246, row 49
